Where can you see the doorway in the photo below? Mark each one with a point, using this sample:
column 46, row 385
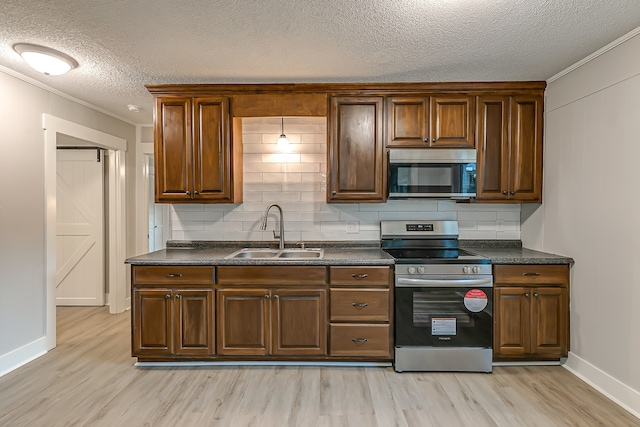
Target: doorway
column 55, row 129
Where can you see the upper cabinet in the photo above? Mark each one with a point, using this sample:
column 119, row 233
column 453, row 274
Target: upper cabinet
column 431, row 121
column 197, row 157
column 509, row 164
column 356, row 165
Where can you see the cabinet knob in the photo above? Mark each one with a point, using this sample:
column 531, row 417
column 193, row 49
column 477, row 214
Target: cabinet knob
column 167, row 296
column 188, row 192
column 504, row 192
column 536, row 295
column 527, row 295
column 276, row 297
column 359, row 340
column 359, row 304
column 196, row 192
column 177, row 296
column 513, row 193
column 434, row 140
column 426, row 140
column 266, row 297
column 334, row 193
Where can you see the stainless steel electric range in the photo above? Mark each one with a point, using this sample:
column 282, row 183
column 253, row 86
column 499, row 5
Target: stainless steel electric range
column 443, row 299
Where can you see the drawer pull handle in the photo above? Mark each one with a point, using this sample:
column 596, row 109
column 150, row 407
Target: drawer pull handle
column 359, row 304
column 359, row 276
column 531, row 274
column 359, row 340
column 173, row 275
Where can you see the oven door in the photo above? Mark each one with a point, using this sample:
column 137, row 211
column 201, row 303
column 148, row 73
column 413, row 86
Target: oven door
column 444, row 316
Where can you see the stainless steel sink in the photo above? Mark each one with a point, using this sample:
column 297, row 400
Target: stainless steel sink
column 267, row 253
column 301, row 253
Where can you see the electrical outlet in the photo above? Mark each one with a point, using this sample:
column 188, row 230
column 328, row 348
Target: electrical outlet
column 353, row 227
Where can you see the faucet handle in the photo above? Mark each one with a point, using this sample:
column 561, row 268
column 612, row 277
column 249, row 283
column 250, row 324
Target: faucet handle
column 301, row 245
column 275, row 235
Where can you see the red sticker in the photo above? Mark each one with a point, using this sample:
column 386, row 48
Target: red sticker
column 475, row 300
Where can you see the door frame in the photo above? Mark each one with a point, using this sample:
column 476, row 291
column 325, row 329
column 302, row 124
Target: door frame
column 143, row 151
column 116, row 267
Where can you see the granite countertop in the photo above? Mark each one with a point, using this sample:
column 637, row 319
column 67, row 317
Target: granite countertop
column 512, row 252
column 335, row 253
column 215, row 253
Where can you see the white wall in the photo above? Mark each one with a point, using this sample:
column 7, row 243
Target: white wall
column 22, row 209
column 591, row 212
column 297, row 182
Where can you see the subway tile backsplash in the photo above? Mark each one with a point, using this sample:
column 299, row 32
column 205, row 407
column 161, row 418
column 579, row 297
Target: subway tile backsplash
column 296, row 180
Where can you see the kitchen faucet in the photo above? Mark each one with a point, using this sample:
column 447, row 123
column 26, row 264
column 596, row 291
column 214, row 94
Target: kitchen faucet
column 263, row 226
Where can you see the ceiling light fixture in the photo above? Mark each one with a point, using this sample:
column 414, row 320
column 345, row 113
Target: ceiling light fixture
column 283, row 142
column 45, row 60
column 133, row 108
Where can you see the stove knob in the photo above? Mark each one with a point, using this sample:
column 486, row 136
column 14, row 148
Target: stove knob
column 421, row 270
column 476, row 269
column 465, row 269
column 412, row 270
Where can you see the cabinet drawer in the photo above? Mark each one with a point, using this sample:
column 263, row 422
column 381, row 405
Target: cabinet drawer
column 360, row 340
column 365, row 276
column 172, row 275
column 272, row 275
column 360, row 305
column 532, row 275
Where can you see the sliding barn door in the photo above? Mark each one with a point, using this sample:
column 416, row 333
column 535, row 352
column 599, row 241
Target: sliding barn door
column 80, row 258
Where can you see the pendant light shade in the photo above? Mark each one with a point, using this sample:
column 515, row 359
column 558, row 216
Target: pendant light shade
column 283, row 142
column 45, row 60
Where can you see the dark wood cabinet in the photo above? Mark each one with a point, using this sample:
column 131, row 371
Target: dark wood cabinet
column 172, row 313
column 173, row 322
column 531, row 312
column 356, row 168
column 198, row 159
column 509, row 165
column 361, row 312
column 272, row 311
column 431, row 121
column 279, row 322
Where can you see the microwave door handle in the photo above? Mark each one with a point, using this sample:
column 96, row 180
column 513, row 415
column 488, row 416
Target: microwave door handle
column 403, row 282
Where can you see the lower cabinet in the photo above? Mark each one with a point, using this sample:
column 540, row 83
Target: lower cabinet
column 360, row 312
column 173, row 312
column 262, row 312
column 173, row 322
column 279, row 322
column 531, row 312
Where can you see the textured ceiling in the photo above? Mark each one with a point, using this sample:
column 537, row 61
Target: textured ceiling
column 121, row 45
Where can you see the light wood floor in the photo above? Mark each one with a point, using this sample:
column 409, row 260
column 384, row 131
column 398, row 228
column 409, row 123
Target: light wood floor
column 89, row 379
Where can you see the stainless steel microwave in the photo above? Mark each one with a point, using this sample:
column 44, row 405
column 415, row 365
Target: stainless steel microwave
column 432, row 173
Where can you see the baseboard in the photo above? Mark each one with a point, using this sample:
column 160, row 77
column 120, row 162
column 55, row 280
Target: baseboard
column 625, row 396
column 23, row 355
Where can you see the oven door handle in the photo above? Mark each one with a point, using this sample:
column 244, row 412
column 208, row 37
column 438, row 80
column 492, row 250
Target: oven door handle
column 403, row 282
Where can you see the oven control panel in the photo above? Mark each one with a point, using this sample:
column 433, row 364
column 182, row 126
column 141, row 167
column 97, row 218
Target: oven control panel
column 461, row 269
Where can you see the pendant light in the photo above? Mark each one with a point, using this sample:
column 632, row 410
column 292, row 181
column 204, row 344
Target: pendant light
column 283, row 142
column 44, row 59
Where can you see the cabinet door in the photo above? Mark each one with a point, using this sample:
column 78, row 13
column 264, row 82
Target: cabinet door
column 152, row 323
column 526, row 149
column 492, row 171
column 512, row 320
column 452, row 121
column 408, row 122
column 356, row 167
column 173, row 156
column 243, row 322
column 212, row 149
column 550, row 321
column 299, row 322
column 194, row 322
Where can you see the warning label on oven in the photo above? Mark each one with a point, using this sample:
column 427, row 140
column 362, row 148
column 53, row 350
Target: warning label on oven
column 443, row 326
column 475, row 300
